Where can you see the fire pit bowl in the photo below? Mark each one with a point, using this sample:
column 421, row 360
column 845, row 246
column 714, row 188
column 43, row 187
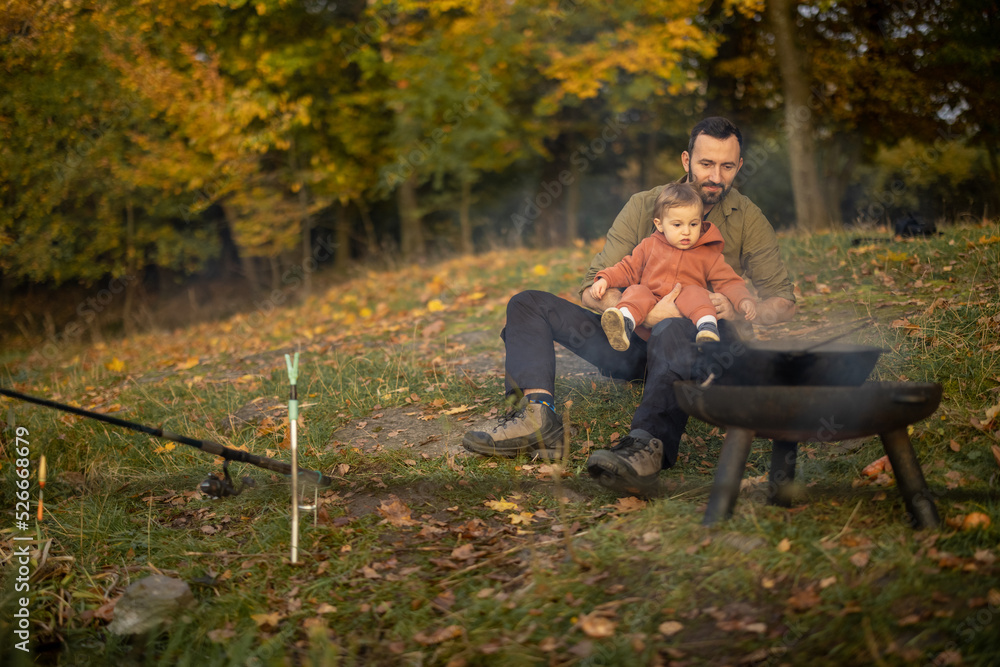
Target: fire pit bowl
column 790, row 415
column 782, row 363
column 814, row 414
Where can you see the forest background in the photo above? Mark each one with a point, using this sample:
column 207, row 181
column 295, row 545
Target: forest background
column 156, row 148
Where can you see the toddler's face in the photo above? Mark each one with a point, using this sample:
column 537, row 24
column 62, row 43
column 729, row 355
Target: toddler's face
column 681, row 225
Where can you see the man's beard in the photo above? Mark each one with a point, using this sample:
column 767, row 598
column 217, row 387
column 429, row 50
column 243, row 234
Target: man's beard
column 707, row 198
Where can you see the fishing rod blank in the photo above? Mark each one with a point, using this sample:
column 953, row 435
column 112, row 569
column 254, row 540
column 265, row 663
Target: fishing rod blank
column 208, row 446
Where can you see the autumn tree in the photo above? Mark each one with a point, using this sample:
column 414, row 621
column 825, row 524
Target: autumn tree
column 871, row 82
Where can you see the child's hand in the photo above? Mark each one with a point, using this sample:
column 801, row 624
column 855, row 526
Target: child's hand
column 598, row 289
column 749, row 309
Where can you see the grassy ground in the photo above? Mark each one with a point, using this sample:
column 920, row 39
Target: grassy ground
column 458, row 560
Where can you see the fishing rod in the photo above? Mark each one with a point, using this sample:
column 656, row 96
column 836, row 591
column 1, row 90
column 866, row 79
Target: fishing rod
column 228, row 453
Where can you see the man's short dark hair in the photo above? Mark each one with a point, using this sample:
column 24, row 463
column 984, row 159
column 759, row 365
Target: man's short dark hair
column 716, row 127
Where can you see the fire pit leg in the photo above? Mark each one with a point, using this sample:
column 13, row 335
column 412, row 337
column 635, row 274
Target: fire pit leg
column 783, row 457
column 726, row 486
column 910, row 479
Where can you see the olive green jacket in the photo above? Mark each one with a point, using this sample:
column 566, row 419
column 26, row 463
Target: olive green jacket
column 751, row 246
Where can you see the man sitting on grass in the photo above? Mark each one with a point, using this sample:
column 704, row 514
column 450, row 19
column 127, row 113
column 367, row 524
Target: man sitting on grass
column 660, row 350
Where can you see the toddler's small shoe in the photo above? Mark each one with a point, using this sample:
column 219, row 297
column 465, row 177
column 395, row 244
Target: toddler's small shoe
column 707, row 331
column 618, row 328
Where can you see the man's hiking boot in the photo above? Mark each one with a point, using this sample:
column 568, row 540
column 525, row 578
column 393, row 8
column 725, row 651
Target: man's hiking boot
column 707, row 331
column 530, row 428
column 632, row 466
column 617, row 328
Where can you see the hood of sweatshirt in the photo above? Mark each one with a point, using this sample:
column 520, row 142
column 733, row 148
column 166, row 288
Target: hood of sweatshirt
column 709, row 234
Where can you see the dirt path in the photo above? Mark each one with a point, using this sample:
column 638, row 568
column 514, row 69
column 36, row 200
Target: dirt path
column 422, row 431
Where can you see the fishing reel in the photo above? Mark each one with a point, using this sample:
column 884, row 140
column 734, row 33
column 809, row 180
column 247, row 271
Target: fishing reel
column 221, row 487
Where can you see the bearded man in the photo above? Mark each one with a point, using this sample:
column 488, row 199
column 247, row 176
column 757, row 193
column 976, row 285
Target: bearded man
column 660, row 350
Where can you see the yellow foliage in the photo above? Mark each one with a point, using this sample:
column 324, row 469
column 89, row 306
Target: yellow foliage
column 501, row 505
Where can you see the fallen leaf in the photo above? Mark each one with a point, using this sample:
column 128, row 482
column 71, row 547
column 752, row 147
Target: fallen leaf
column 465, row 552
column 597, row 626
column 456, row 411
column 629, row 504
column 501, row 505
column 434, row 328
column 784, row 545
column 270, row 620
column 435, row 306
column 540, row 270
column 954, row 446
column 878, row 466
column 548, row 644
column 859, row 559
column 444, row 601
column 803, row 600
column 946, row 658
column 670, row 628
column 993, row 597
column 116, row 365
column 996, row 453
column 106, row 612
column 991, row 415
column 522, row 517
column 396, row 513
column 190, row 362
column 438, row 636
column 975, row 521
column 221, row 635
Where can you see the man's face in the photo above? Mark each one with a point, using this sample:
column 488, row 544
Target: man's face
column 712, row 167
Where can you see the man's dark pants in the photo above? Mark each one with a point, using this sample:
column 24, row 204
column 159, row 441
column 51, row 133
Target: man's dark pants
column 536, row 320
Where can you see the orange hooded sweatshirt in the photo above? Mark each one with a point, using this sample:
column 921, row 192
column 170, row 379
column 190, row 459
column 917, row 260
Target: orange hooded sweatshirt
column 657, row 265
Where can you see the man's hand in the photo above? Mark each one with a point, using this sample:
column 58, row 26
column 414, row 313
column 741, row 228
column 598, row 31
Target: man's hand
column 769, row 311
column 724, row 307
column 664, row 309
column 774, row 310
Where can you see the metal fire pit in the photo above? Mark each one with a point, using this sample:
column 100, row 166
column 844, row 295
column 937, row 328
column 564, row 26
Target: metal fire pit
column 780, row 363
column 792, row 414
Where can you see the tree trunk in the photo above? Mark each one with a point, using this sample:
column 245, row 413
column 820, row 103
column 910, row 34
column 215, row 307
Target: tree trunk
column 307, row 252
column 573, row 206
column 342, row 237
column 236, row 254
column 411, row 236
column 306, row 224
column 371, row 238
column 810, row 209
column 128, row 322
column 992, row 197
column 464, row 221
